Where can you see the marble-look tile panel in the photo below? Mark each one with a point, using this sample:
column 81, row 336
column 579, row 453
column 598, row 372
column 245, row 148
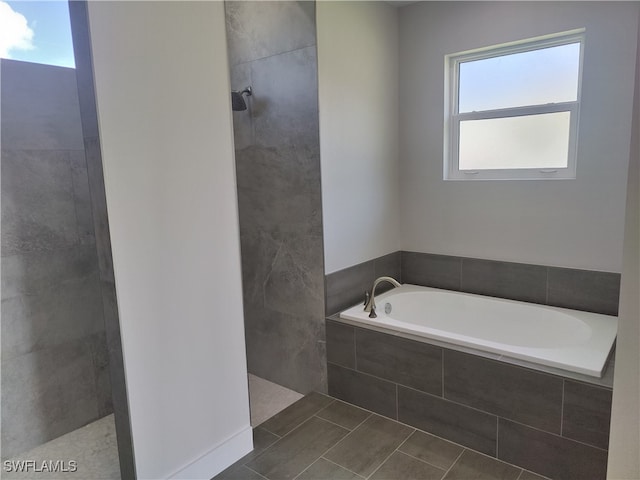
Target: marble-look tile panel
column 287, row 349
column 38, row 201
column 39, row 107
column 295, row 283
column 46, row 394
column 70, row 310
column 93, row 447
column 285, row 106
column 263, row 28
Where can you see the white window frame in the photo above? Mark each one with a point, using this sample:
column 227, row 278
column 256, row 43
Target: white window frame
column 452, row 118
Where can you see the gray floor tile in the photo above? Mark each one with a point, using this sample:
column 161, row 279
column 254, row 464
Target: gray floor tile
column 323, row 469
column 402, row 466
column 431, row 449
column 364, row 449
column 293, row 453
column 480, row 467
column 238, row 472
column 343, row 414
column 525, row 475
column 294, row 415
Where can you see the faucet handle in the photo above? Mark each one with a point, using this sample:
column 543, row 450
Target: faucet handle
column 366, row 297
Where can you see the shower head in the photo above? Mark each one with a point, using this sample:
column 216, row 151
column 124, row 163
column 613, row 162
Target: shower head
column 237, row 100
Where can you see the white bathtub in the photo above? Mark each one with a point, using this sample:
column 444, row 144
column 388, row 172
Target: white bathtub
column 556, row 337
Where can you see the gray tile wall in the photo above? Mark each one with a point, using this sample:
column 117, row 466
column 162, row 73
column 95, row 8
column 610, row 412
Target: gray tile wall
column 548, row 424
column 54, row 353
column 562, row 287
column 272, row 47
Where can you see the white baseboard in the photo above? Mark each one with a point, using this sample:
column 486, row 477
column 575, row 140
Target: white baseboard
column 218, row 458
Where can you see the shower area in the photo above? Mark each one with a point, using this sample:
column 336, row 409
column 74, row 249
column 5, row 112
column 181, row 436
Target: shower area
column 273, row 69
column 59, row 317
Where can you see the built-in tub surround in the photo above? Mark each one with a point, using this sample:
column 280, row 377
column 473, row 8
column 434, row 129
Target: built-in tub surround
column 556, row 337
column 585, row 290
column 551, row 424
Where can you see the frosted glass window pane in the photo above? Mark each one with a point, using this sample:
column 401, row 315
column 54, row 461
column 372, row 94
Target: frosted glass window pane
column 533, row 141
column 538, row 77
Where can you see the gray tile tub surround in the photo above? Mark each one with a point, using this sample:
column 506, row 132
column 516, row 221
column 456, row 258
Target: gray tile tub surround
column 465, row 397
column 586, row 290
column 347, row 287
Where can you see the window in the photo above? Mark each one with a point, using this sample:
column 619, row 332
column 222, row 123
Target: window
column 512, row 110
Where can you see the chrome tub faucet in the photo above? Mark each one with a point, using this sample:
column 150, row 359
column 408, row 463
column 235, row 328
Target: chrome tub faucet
column 370, row 302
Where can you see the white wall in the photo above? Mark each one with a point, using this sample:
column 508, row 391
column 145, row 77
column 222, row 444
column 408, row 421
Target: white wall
column 162, row 90
column 358, row 101
column 574, row 223
column 624, row 444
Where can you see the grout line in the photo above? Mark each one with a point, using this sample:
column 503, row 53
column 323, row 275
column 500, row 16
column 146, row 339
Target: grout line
column 562, row 409
column 442, row 364
column 546, row 290
column 251, row 469
column 333, row 423
column 351, row 471
column 497, row 436
column 454, row 462
column 397, row 404
column 419, row 459
column 355, row 350
column 390, row 455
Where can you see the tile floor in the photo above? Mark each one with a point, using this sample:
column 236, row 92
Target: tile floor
column 320, row 438
column 93, row 447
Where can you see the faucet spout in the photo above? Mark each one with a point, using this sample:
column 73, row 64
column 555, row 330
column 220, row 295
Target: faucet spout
column 371, row 303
